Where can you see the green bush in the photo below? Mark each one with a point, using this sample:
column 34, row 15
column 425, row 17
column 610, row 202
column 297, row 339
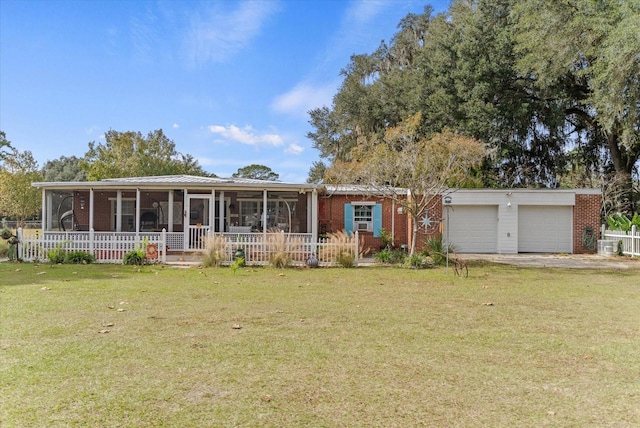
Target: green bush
column 390, row 256
column 57, row 255
column 79, row 257
column 419, row 261
column 136, row 256
column 436, row 249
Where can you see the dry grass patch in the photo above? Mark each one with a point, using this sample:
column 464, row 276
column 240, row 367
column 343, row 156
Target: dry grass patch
column 119, row 346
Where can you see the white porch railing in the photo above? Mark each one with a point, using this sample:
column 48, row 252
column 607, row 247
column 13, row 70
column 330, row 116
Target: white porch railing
column 630, row 240
column 106, row 247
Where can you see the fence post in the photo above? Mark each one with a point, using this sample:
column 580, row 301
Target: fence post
column 633, row 241
column 19, row 246
column 357, row 247
column 603, row 229
column 163, row 245
column 91, row 242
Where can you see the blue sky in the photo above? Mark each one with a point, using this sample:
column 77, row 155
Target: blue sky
column 230, row 82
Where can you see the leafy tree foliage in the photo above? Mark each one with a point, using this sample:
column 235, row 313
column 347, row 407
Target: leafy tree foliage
column 18, row 199
column 316, row 172
column 404, row 160
column 6, row 149
column 256, row 172
column 546, row 86
column 130, row 154
column 64, row 169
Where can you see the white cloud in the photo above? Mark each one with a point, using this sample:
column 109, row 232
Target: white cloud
column 294, row 149
column 176, row 126
column 304, row 97
column 246, row 135
column 362, row 12
column 221, row 33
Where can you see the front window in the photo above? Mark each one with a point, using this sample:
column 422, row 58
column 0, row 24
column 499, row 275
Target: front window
column 128, row 214
column 363, row 217
column 280, row 214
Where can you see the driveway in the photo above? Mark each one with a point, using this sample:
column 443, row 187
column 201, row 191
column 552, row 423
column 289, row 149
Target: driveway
column 573, row 261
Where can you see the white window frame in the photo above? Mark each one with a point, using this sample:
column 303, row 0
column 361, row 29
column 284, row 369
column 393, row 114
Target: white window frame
column 125, row 215
column 363, row 223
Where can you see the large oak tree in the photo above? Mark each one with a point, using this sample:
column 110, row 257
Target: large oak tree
column 548, row 87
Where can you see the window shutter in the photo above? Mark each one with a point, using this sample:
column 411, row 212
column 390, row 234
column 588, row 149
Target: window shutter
column 348, row 218
column 377, row 220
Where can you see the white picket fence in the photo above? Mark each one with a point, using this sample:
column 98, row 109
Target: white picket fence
column 106, row 247
column 630, row 241
column 257, row 248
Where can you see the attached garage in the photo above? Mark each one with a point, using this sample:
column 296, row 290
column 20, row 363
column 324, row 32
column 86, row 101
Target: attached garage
column 545, row 229
column 473, row 229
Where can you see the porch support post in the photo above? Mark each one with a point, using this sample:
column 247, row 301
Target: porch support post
column 137, row 212
column 393, row 223
column 91, row 230
column 91, row 208
column 221, row 211
column 119, row 211
column 309, row 208
column 212, row 213
column 170, row 213
column 264, row 213
column 314, row 216
column 185, row 220
column 46, row 214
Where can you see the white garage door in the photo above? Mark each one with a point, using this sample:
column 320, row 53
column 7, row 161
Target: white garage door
column 473, row 229
column 545, row 229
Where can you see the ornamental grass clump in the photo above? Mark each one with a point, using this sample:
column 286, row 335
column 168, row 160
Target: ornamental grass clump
column 279, row 256
column 284, row 250
column 215, row 253
column 341, row 248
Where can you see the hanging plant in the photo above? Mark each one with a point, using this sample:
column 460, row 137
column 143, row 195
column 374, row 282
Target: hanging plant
column 6, row 234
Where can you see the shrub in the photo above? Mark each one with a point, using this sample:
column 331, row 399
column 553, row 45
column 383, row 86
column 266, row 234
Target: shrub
column 437, row 250
column 419, row 261
column 386, row 238
column 136, row 256
column 390, row 256
column 79, row 257
column 57, row 255
column 214, row 251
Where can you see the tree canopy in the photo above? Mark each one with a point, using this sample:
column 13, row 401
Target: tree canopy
column 64, row 169
column 404, row 160
column 130, row 154
column 6, row 148
column 18, row 199
column 549, row 87
column 256, row 172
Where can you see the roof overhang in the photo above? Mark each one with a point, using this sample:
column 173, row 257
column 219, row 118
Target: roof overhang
column 176, row 182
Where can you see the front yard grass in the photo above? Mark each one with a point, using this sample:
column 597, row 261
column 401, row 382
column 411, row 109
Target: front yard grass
column 106, row 346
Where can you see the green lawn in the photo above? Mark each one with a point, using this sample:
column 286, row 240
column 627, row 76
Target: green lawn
column 107, row 346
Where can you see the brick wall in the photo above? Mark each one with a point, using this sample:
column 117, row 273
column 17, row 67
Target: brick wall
column 331, row 219
column 586, row 219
